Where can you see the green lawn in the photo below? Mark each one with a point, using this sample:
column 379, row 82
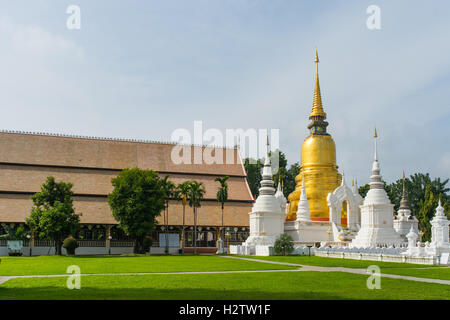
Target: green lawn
column 273, row 285
column 117, row 264
column 336, row 262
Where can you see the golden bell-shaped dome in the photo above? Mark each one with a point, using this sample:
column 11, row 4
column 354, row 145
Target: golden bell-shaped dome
column 318, row 149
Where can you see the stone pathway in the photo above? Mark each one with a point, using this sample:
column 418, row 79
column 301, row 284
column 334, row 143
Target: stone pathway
column 342, row 269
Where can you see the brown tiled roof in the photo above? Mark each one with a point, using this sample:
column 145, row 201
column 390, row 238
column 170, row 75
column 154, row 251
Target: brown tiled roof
column 26, row 160
column 108, row 154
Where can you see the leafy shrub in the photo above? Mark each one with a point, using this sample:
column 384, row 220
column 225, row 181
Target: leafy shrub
column 14, row 254
column 70, row 244
column 147, row 243
column 284, row 245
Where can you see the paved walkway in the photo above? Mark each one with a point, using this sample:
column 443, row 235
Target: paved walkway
column 300, row 267
column 342, row 269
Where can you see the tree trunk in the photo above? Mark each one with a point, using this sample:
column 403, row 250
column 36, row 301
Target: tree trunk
column 183, row 234
column 167, row 227
column 222, row 233
column 139, row 245
column 195, row 231
column 58, row 245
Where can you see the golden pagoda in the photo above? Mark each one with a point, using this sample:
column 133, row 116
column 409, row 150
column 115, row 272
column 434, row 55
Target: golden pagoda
column 318, row 163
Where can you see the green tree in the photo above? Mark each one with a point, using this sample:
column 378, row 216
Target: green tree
column 289, row 180
column 183, row 191
column 52, row 215
column 136, row 201
column 363, row 190
column 284, row 245
column 16, row 233
column 195, row 196
column 253, row 169
column 282, row 172
column 170, row 192
column 222, row 197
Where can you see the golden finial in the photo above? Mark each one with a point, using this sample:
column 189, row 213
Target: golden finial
column 403, row 176
column 375, row 132
column 353, row 182
column 267, row 141
column 317, row 109
column 282, row 184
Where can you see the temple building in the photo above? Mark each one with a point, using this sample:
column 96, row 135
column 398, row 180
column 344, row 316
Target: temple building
column 318, row 163
column 27, row 159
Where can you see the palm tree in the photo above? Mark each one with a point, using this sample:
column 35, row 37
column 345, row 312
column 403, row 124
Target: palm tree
column 195, row 196
column 222, row 197
column 169, row 193
column 183, row 192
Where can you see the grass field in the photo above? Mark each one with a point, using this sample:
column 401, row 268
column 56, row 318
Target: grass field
column 116, row 264
column 276, row 285
column 263, row 285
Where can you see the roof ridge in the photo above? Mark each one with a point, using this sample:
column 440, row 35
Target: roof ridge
column 63, row 135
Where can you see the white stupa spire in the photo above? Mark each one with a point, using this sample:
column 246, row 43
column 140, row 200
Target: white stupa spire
column 267, row 216
column 375, row 178
column 440, row 210
column 355, row 187
column 303, row 213
column 440, row 229
column 267, row 182
column 377, row 223
column 280, row 195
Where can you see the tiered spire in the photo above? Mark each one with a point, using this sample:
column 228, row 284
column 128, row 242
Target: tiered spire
column 355, row 187
column 375, row 178
column 318, row 125
column 440, row 211
column 267, row 182
column 317, row 109
column 404, row 202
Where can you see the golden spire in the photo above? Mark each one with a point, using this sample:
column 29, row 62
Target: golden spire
column 317, row 109
column 375, row 133
column 403, row 176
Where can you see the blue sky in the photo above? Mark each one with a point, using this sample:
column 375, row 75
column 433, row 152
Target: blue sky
column 141, row 69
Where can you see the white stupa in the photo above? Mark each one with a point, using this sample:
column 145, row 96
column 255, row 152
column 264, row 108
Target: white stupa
column 404, row 220
column 439, row 230
column 267, row 216
column 303, row 213
column 376, row 213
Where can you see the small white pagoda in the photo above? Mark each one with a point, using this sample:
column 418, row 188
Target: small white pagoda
column 439, row 232
column 404, row 221
column 376, row 213
column 267, row 216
